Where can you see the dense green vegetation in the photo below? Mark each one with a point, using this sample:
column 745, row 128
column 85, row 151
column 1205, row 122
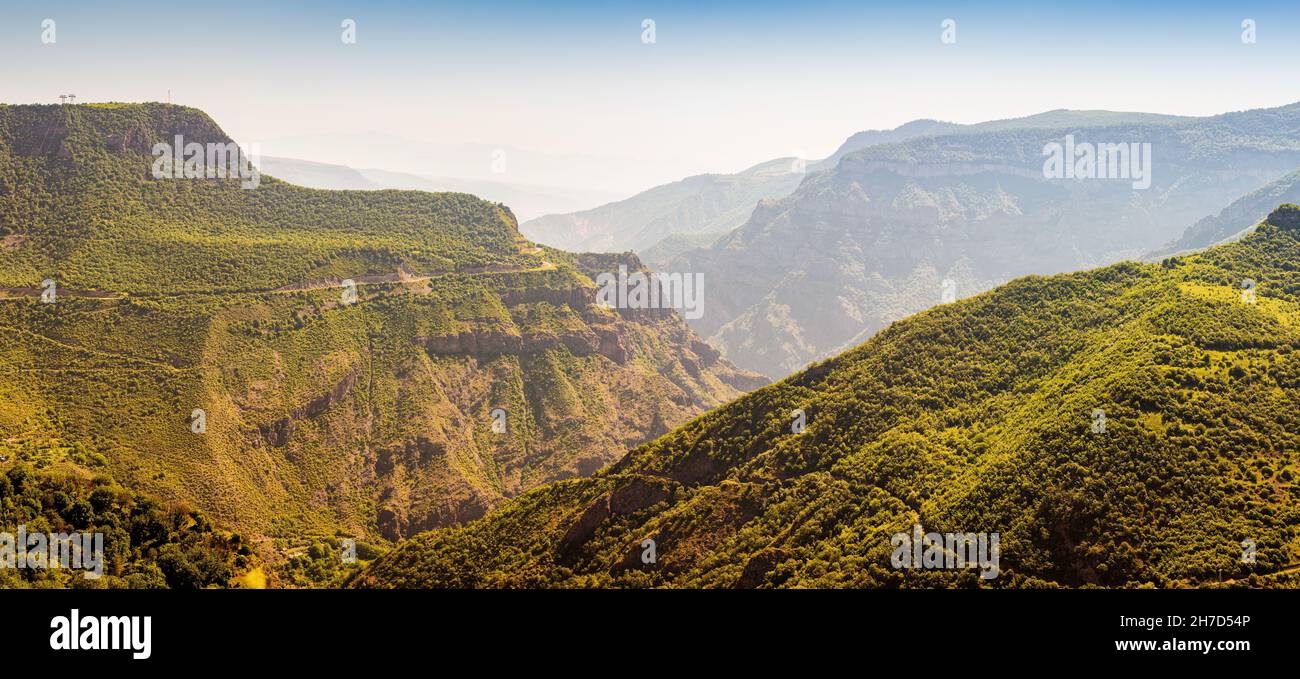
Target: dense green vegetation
column 146, row 544
column 971, row 417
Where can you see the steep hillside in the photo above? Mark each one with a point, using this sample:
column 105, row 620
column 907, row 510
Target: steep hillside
column 1228, row 222
column 975, row 417
column 348, row 350
column 876, row 237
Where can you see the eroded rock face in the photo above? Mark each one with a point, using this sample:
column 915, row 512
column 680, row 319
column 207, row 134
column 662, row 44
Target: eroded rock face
column 638, row 494
column 582, row 529
column 48, row 144
column 759, row 566
column 473, row 344
column 136, row 139
column 395, row 524
column 632, row 496
column 278, row 432
column 611, row 345
column 415, row 454
column 708, row 355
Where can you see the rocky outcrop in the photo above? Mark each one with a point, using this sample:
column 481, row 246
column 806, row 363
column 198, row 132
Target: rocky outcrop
column 48, row 143
column 578, row 298
column 394, row 524
column 602, row 340
column 630, row 497
column 638, row 494
column 742, row 380
column 611, row 344
column 410, row 454
column 708, row 355
column 277, row 433
column 582, row 529
column 759, row 566
column 474, row 343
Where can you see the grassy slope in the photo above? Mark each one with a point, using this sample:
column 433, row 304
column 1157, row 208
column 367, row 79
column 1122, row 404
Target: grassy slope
column 971, row 417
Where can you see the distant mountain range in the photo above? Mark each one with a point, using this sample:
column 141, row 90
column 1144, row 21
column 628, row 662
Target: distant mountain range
column 669, row 219
column 399, row 151
column 1226, row 224
column 1133, row 425
column 889, row 228
column 704, row 206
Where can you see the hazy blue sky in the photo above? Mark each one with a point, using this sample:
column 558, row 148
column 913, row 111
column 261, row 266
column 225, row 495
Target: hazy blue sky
column 722, row 88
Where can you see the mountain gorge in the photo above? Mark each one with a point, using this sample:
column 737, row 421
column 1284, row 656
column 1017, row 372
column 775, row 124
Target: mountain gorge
column 299, row 362
column 892, row 227
column 980, row 416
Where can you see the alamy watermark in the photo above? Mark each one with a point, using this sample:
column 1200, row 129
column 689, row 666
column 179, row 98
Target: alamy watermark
column 1086, row 160
column 76, row 632
column 213, row 160
column 948, row 550
column 79, row 551
column 654, row 290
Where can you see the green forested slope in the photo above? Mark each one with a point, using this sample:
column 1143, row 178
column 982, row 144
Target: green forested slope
column 324, row 415
column 971, row 417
